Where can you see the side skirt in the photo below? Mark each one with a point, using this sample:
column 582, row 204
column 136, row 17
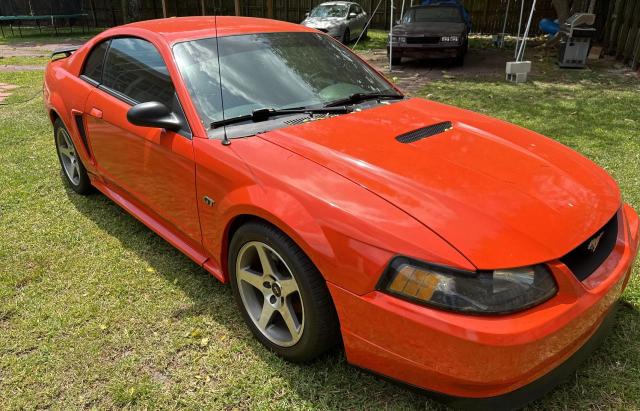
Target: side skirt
column 146, row 217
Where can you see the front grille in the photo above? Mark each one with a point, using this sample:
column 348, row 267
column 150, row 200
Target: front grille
column 590, row 255
column 428, row 131
column 423, row 40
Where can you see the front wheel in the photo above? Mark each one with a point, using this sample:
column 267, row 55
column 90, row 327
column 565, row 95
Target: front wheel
column 346, row 36
column 283, row 298
column 396, row 60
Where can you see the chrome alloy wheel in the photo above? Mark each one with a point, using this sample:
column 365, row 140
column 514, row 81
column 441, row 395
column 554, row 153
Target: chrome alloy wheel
column 68, row 156
column 270, row 293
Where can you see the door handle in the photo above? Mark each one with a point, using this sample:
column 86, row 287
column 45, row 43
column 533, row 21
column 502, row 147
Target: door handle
column 96, row 112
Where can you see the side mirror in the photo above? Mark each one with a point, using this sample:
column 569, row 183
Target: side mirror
column 153, row 114
column 352, row 15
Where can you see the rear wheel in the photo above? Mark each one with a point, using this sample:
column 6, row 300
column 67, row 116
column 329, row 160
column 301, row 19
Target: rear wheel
column 73, row 170
column 283, row 298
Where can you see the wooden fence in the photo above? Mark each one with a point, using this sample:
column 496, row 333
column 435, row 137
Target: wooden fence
column 487, row 15
column 621, row 35
column 617, row 22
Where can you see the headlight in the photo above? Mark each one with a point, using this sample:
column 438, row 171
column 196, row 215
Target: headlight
column 481, row 292
column 449, row 39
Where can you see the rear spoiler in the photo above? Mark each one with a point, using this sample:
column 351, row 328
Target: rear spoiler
column 67, row 51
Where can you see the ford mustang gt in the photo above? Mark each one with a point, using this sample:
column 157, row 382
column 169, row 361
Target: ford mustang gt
column 443, row 248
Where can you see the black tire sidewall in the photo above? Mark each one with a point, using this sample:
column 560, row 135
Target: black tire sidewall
column 307, row 347
column 84, row 184
column 346, row 36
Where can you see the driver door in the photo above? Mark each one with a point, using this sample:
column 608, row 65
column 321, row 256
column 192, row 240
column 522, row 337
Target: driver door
column 152, row 166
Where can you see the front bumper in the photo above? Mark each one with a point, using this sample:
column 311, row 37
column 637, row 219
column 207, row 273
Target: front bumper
column 489, row 359
column 442, row 50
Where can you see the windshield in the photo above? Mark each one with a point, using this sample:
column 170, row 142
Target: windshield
column 433, row 14
column 271, row 70
column 329, row 10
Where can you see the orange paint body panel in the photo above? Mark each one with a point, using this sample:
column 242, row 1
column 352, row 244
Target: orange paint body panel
column 482, row 195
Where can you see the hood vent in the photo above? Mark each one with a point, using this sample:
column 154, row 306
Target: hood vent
column 424, row 132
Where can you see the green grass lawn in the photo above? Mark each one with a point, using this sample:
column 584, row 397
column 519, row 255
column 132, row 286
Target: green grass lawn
column 376, row 39
column 96, row 311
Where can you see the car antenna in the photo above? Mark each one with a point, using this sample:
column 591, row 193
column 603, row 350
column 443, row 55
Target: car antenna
column 225, row 138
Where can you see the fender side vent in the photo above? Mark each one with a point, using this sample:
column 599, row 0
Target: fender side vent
column 424, row 132
column 82, row 132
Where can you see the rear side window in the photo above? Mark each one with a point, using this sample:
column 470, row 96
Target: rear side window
column 95, row 62
column 135, row 69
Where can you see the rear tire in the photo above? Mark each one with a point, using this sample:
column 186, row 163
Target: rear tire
column 73, row 170
column 282, row 297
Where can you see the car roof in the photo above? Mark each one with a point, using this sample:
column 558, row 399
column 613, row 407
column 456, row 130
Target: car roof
column 341, row 3
column 175, row 29
column 435, row 5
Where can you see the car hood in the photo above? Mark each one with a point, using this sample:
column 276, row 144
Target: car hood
column 322, row 22
column 502, row 195
column 429, row 29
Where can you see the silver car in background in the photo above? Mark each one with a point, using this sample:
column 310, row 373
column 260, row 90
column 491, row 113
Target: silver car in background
column 343, row 20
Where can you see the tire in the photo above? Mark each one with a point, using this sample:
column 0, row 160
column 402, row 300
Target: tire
column 73, row 171
column 396, row 60
column 257, row 292
column 459, row 60
column 365, row 35
column 346, row 36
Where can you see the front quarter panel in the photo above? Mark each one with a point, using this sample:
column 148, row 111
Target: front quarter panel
column 349, row 233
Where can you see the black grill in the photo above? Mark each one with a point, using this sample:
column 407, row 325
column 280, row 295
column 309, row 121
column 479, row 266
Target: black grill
column 590, row 255
column 423, row 40
column 424, row 132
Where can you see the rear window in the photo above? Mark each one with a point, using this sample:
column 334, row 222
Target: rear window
column 435, row 15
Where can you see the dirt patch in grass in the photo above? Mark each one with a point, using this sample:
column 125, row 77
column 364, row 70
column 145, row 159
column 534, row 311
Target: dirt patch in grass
column 30, row 48
column 28, row 67
column 5, row 90
column 485, row 62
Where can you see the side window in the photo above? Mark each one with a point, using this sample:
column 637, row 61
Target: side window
column 135, row 69
column 358, row 10
column 94, row 63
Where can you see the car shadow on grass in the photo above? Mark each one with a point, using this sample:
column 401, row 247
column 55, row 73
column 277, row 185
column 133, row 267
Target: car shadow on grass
column 329, row 380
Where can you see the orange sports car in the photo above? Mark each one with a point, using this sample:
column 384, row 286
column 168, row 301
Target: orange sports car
column 443, row 248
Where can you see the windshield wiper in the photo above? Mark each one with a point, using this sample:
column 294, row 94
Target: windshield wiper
column 263, row 114
column 360, row 97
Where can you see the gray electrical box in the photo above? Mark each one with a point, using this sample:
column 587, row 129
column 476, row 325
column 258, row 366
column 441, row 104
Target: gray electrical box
column 575, row 40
